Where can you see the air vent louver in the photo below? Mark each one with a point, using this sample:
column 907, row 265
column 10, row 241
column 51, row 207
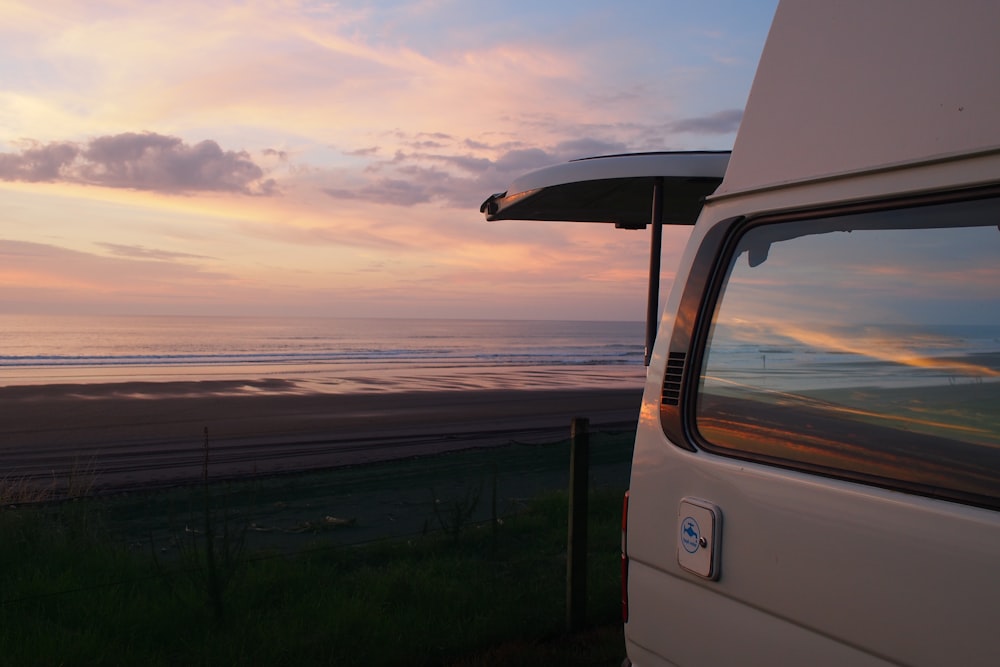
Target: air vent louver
column 672, row 379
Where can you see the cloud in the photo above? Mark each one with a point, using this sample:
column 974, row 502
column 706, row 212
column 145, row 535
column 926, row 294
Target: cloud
column 141, row 252
column 139, row 161
column 461, row 180
column 364, row 152
column 720, row 122
column 465, row 162
column 522, row 159
column 38, row 163
column 273, row 152
column 367, row 236
column 48, row 267
column 517, row 160
column 388, row 191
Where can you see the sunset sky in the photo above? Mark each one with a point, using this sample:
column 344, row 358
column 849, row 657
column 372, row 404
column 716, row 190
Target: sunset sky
column 322, row 158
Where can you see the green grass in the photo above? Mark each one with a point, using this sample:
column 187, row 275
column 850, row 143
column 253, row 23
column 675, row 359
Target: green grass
column 72, row 593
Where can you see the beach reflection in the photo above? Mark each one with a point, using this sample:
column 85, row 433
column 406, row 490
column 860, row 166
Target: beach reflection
column 864, row 346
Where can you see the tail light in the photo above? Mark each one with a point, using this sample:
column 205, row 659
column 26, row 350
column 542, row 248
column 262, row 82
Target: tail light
column 625, row 559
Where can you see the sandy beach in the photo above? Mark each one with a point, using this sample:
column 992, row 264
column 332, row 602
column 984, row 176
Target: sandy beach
column 140, row 434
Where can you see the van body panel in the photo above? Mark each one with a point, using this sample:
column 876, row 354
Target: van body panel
column 888, row 576
column 868, row 84
column 941, row 173
column 693, row 625
column 908, row 580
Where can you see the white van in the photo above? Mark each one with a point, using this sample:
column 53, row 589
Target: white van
column 816, row 475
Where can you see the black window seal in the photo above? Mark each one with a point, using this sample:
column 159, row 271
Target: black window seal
column 683, row 341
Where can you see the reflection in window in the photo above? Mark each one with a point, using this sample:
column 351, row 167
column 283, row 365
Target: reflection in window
column 864, row 346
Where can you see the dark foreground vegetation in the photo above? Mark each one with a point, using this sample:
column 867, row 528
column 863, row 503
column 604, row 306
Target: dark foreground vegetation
column 463, row 591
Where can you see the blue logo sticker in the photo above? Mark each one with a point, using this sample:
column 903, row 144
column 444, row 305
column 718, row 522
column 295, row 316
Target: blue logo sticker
column 690, row 534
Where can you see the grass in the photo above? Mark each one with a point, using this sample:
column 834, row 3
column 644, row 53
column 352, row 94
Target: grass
column 72, row 592
column 77, row 482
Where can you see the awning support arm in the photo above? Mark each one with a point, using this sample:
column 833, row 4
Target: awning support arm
column 655, row 242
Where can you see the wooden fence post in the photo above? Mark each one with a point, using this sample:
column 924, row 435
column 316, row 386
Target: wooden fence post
column 576, row 550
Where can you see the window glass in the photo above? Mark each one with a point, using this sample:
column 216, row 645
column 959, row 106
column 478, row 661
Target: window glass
column 864, row 346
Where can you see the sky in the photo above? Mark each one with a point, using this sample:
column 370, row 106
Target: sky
column 295, row 158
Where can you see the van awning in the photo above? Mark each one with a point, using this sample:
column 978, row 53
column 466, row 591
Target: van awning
column 616, row 189
column 630, row 191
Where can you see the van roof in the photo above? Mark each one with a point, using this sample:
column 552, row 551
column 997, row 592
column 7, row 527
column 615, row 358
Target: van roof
column 846, row 87
column 614, row 189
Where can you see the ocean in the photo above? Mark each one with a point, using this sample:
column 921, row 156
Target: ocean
column 321, row 354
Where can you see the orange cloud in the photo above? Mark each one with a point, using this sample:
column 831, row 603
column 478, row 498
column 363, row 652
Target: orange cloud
column 880, row 346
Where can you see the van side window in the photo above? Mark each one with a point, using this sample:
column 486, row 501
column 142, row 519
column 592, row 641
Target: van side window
column 863, row 346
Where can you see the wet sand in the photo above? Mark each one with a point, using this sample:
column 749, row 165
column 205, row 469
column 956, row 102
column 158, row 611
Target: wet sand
column 142, row 434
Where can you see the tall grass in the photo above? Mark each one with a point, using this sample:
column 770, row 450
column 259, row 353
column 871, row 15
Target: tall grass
column 72, row 594
column 77, row 482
